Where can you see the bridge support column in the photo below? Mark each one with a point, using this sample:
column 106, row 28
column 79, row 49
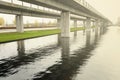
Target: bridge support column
column 96, row 27
column 88, row 30
column 19, row 23
column 93, row 26
column 101, row 27
column 65, row 24
column 59, row 35
column 105, row 26
column 88, row 24
column 84, row 27
column 84, row 24
column 75, row 26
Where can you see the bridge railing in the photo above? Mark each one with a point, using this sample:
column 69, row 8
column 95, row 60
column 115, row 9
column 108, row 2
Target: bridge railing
column 12, row 2
column 81, row 2
column 87, row 5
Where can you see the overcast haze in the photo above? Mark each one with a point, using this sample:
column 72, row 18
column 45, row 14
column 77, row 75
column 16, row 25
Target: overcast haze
column 109, row 8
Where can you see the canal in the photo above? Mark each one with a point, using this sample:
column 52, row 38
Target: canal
column 87, row 56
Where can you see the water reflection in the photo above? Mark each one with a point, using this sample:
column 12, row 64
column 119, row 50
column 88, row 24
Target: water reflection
column 59, row 39
column 75, row 33
column 65, row 44
column 70, row 63
column 88, row 37
column 93, row 29
column 96, row 31
column 11, row 65
column 21, row 48
column 84, row 31
column 60, row 67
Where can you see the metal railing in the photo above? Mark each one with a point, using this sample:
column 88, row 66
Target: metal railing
column 88, row 6
column 81, row 2
column 31, row 5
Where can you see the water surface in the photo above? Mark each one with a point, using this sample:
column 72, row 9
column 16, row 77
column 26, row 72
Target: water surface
column 86, row 56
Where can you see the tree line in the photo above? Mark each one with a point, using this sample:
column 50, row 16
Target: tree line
column 34, row 24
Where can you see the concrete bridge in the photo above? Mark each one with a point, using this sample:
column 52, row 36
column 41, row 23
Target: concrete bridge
column 63, row 11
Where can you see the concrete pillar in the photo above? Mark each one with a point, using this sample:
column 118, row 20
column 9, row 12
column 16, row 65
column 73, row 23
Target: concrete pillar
column 19, row 23
column 105, row 26
column 88, row 24
column 84, row 24
column 88, row 39
column 88, row 31
column 93, row 26
column 65, row 24
column 96, row 27
column 84, row 27
column 59, row 35
column 101, row 27
column 102, row 23
column 58, row 23
column 94, row 23
column 75, row 26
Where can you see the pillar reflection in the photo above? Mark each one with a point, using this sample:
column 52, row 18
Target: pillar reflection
column 65, row 54
column 75, row 33
column 88, row 37
column 84, row 27
column 21, row 47
column 65, row 47
column 75, row 26
column 96, row 37
column 59, row 39
column 96, row 31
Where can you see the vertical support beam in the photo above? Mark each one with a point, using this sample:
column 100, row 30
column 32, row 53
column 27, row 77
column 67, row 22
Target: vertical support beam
column 59, row 35
column 96, row 27
column 88, row 24
column 65, row 24
column 84, row 24
column 19, row 23
column 12, row 1
column 93, row 26
column 101, row 27
column 75, row 26
column 88, row 39
column 58, row 23
column 84, row 27
column 102, row 23
column 88, row 31
column 94, row 23
column 105, row 26
column 22, row 3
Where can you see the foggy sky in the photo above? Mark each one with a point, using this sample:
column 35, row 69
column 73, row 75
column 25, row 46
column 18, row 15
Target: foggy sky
column 109, row 8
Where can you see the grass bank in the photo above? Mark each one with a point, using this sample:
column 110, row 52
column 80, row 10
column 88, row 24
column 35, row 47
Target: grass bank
column 13, row 36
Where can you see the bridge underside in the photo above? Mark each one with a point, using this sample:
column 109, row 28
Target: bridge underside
column 66, row 7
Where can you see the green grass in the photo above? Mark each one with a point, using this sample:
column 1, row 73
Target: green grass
column 12, row 36
column 76, row 29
